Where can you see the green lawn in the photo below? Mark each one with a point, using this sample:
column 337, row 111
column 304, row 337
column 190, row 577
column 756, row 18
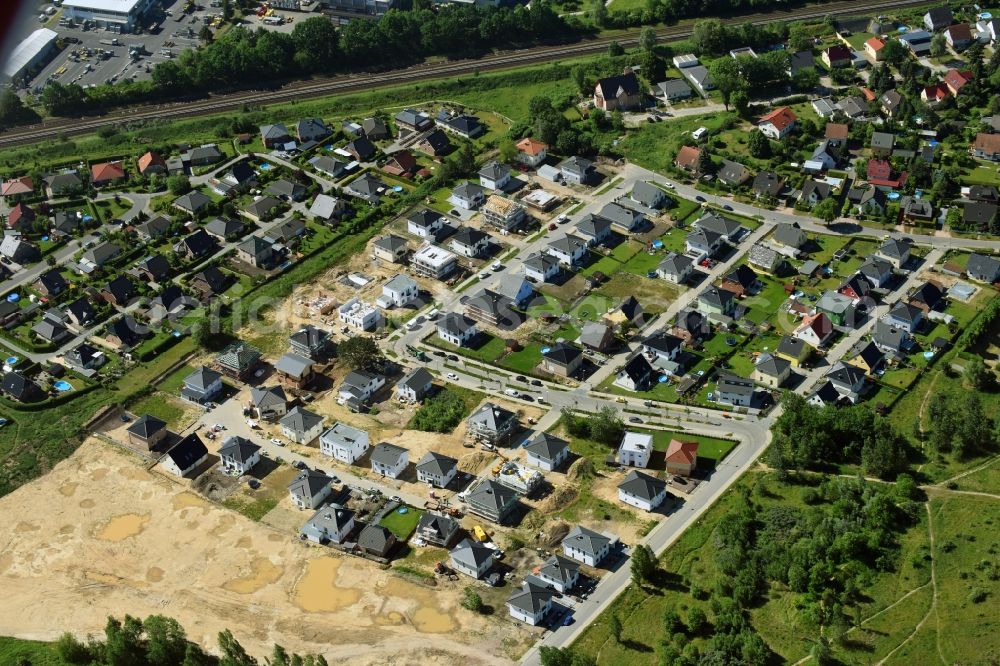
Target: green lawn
column 489, row 348
column 174, row 381
column 525, row 360
column 161, row 406
column 402, row 524
column 30, row 653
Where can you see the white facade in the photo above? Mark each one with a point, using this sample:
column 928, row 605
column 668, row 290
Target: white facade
column 635, row 450
column 535, row 460
column 241, row 466
column 360, row 315
column 344, row 443
column 433, row 478
column 426, row 232
column 641, row 502
column 434, row 262
column 588, row 558
column 399, row 292
column 392, row 468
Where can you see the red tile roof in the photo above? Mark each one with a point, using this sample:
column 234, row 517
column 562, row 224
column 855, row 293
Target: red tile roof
column 837, row 131
column 780, row 118
column 938, row 92
column 875, row 44
column 880, row 173
column 685, row 453
column 22, row 185
column 150, row 159
column 869, row 94
column 819, row 323
column 988, row 143
column 956, row 80
column 106, row 171
column 18, row 213
column 687, row 157
column 839, row 52
column 530, row 146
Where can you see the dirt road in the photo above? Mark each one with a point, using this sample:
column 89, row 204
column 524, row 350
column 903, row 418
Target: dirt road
column 101, row 535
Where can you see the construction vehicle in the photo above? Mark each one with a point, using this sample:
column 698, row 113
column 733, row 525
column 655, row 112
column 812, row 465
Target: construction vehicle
column 499, row 466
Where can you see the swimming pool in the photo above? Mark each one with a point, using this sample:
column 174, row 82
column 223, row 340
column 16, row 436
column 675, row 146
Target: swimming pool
column 62, row 386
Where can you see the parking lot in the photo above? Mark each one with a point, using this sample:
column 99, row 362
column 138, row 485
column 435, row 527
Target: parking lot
column 92, row 57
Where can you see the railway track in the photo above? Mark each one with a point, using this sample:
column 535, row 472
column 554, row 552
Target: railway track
column 363, row 82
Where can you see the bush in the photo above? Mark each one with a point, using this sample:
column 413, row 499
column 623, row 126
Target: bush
column 472, row 601
column 978, row 595
column 439, row 413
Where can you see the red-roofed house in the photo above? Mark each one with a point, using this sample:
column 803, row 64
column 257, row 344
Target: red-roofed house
column 987, row 146
column 687, row 158
column 106, row 172
column 956, row 80
column 682, row 457
column 151, row 163
column 18, row 186
column 778, row 123
column 20, row 217
column 837, row 56
column 869, row 94
column 531, row 152
column 402, row 163
column 935, row 94
column 815, row 330
column 873, row 47
column 880, row 174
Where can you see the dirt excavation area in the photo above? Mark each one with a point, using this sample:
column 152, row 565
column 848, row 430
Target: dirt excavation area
column 101, row 535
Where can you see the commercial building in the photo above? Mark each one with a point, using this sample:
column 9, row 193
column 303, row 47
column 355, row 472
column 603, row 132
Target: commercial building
column 30, row 55
column 117, row 15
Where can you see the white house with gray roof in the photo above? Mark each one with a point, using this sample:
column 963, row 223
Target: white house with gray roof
column 587, row 546
column 546, row 451
column 239, row 455
column 310, row 489
column 301, row 426
column 415, row 386
column 568, row 250
column 268, row 402
column 531, row 603
column 389, row 460
column 436, row 529
column 398, row 292
column 457, row 329
column 491, row 500
column 471, row 558
column 491, row 424
column 468, row 196
column 494, row 175
column 541, row 267
column 648, row 195
column 202, row 385
column 330, row 524
column 675, row 268
column 642, row 491
column 344, row 443
column 560, row 572
column 436, row 470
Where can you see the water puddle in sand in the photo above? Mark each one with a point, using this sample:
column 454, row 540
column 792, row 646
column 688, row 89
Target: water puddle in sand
column 430, row 621
column 187, row 500
column 67, row 489
column 99, row 474
column 23, row 527
column 392, row 618
column 87, row 504
column 262, row 573
column 123, row 527
column 154, row 574
column 317, row 591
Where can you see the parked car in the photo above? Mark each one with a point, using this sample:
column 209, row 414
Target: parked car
column 726, row 207
column 536, row 382
column 634, row 419
column 700, row 198
column 452, row 376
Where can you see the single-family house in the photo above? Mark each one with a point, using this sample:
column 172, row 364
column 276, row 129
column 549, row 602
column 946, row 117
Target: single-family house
column 618, row 93
column 390, row 248
column 376, row 540
column 642, row 491
column 436, row 470
column 987, row 146
column 715, row 301
column 359, row 386
column 491, row 424
column 490, row 500
column 436, row 529
column 531, row 152
column 85, row 357
column 636, row 375
column 503, row 213
column 838, row 55
column 905, row 317
column 576, row 170
column 938, row 18
column 688, row 159
column 681, row 457
column 793, row 349
column 106, row 173
column 268, row 402
column 238, row 454
column 675, row 268
column 771, row 370
column 389, row 460
column 274, row 136
column 635, row 449
column 344, row 443
column 330, row 524
column 672, row 89
column 559, row 572
column 359, row 315
column 470, row 242
column 541, row 268
column 435, row 143
column 768, row 184
column 531, row 603
column 185, row 456
column 815, row 330
column 958, row 36
column 494, row 175
column 301, row 426
column 562, row 359
column 147, row 432
column 587, row 546
column 310, row 488
column 457, row 329
column 398, row 292
column 983, row 268
column 741, row 281
column 546, row 451
column 778, row 123
column 568, row 250
column 416, row 385
column 468, row 196
column 733, row 390
column 471, row 558
column 202, row 385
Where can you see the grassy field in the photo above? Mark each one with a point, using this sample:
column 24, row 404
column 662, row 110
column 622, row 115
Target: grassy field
column 32, row 653
column 402, row 524
column 884, row 623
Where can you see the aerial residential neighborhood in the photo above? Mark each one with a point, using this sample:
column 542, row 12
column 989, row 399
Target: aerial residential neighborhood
column 685, row 352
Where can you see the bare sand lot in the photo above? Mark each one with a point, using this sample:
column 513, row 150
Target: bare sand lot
column 101, row 535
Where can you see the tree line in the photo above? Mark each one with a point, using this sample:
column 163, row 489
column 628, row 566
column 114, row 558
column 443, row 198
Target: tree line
column 162, row 641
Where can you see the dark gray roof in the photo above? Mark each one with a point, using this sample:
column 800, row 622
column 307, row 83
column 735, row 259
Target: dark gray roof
column 376, row 538
column 388, row 454
column 491, row 495
column 471, row 553
column 293, row 365
column 239, row 448
column 202, row 378
column 983, row 267
column 146, row 426
column 456, row 324
column 586, row 540
column 772, row 366
column 187, row 452
column 546, row 446
column 562, row 353
column 309, row 483
column 531, row 598
column 641, row 485
column 560, row 568
column 267, row 396
column 435, row 463
column 417, row 378
column 300, row 420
